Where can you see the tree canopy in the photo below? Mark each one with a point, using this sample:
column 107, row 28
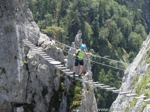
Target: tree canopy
column 108, row 29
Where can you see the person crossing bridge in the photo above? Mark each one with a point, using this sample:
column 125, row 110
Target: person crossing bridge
column 79, row 54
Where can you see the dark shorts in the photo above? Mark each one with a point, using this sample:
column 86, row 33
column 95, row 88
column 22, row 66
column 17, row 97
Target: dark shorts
column 78, row 62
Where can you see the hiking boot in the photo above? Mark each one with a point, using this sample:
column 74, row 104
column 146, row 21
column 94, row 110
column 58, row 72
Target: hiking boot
column 73, row 74
column 80, row 75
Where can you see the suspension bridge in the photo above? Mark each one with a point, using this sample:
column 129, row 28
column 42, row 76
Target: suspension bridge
column 69, row 73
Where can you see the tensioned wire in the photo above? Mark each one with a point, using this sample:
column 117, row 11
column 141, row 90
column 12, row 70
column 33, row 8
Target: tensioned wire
column 95, row 61
column 90, row 82
column 90, row 54
column 98, row 62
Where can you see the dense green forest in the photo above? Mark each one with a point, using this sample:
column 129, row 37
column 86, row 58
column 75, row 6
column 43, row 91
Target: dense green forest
column 109, row 29
column 139, row 5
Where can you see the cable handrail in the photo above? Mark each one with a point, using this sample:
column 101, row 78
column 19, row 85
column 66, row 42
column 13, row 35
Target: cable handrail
column 92, row 54
column 32, row 33
column 107, row 87
column 98, row 62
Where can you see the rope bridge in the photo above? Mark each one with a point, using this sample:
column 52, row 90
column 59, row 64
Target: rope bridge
column 69, row 73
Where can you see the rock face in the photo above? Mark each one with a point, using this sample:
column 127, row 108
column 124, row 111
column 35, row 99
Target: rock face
column 75, row 45
column 12, row 81
column 27, row 81
column 138, row 68
column 24, row 76
column 88, row 103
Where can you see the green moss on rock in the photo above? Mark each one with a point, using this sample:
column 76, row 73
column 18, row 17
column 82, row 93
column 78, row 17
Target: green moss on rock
column 142, row 107
column 75, row 97
column 135, row 81
column 133, row 102
column 143, row 87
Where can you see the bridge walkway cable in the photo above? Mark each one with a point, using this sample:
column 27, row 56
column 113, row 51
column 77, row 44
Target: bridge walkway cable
column 90, row 55
column 99, row 63
column 65, row 45
column 69, row 73
column 96, row 62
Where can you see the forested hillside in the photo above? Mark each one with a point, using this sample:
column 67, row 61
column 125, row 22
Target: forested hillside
column 108, row 29
column 139, row 6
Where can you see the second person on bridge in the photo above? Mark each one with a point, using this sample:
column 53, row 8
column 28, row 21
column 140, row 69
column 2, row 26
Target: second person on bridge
column 79, row 54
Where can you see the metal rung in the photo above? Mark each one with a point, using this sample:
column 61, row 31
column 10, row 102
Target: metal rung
column 38, row 48
column 69, row 73
column 105, row 86
column 140, row 97
column 31, row 45
column 66, row 70
column 95, row 82
column 98, row 84
column 124, row 92
column 55, row 62
column 43, row 54
column 27, row 42
column 110, row 88
column 46, row 57
column 76, row 75
column 90, row 82
column 116, row 91
column 147, row 100
column 50, row 59
column 61, row 68
column 58, row 65
column 77, row 78
column 35, row 48
column 131, row 95
column 36, row 51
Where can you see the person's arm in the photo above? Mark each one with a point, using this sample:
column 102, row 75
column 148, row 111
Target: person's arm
column 74, row 53
column 87, row 54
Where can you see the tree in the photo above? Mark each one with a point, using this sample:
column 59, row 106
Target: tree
column 135, row 41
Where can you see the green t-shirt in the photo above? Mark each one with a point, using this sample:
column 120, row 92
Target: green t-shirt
column 80, row 54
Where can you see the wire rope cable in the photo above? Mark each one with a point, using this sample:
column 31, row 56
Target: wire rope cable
column 91, row 54
column 98, row 62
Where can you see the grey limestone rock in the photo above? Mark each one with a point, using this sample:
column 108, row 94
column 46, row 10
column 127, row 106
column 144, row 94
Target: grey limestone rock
column 76, row 44
column 88, row 103
column 57, row 83
column 138, row 67
column 26, row 78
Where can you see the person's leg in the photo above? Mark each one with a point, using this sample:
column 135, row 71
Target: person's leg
column 74, row 69
column 75, row 65
column 81, row 67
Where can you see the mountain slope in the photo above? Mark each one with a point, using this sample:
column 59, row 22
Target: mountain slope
column 29, row 82
column 136, row 80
